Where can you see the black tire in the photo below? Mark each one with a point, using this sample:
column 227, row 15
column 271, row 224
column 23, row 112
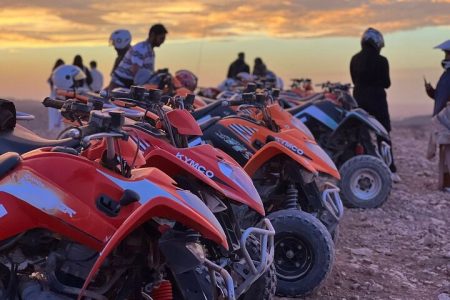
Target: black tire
column 264, row 287
column 365, row 182
column 315, row 252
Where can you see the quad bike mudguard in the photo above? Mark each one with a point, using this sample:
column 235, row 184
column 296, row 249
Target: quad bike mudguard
column 190, row 211
column 360, row 116
column 271, row 150
column 165, row 161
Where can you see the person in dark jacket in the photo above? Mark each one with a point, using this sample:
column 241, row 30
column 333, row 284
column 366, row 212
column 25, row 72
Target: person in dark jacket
column 238, row 66
column 370, row 75
column 78, row 61
column 259, row 69
column 441, row 95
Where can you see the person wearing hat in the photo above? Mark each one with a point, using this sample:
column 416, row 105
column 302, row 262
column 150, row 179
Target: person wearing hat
column 441, row 94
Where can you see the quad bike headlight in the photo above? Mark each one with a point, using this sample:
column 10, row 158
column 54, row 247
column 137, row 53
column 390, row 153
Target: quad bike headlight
column 317, row 150
column 302, row 127
column 238, row 176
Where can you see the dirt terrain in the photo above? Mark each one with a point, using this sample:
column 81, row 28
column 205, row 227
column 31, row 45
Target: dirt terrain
column 401, row 250
column 398, row 251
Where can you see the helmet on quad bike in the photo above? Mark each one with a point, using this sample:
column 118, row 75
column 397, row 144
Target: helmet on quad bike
column 120, row 39
column 187, row 79
column 245, row 77
column 65, row 76
column 373, row 38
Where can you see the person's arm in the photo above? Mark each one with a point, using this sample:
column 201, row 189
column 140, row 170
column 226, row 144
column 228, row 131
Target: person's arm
column 442, row 94
column 230, row 71
column 385, row 78
column 429, row 89
column 352, row 70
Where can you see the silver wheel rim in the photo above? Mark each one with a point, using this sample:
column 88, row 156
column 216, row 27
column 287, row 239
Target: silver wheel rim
column 365, row 184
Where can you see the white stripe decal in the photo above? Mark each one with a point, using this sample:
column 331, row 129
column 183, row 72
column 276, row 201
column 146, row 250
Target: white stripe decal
column 240, row 132
column 3, row 211
column 246, row 129
column 146, row 189
column 29, row 188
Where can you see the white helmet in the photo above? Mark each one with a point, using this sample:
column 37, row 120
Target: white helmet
column 244, row 76
column 120, row 39
column 64, row 76
column 373, row 37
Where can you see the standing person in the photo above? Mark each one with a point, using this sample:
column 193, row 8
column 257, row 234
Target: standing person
column 121, row 40
column 54, row 116
column 97, row 77
column 59, row 62
column 85, row 83
column 441, row 95
column 370, row 75
column 140, row 57
column 238, row 66
column 259, row 68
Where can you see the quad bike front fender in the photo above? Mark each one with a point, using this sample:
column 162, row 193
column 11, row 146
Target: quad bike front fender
column 271, row 150
column 362, row 117
column 188, row 210
column 166, row 162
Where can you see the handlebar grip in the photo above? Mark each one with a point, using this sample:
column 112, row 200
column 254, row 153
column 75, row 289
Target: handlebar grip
column 234, row 102
column 49, row 102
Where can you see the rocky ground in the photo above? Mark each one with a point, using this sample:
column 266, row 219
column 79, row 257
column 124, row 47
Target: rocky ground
column 401, row 250
column 398, row 251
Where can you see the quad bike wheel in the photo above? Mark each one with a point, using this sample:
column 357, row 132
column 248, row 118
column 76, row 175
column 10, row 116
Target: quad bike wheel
column 365, row 182
column 304, row 252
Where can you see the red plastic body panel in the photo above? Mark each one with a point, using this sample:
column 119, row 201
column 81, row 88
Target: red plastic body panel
column 313, row 158
column 58, row 191
column 184, row 122
column 201, row 162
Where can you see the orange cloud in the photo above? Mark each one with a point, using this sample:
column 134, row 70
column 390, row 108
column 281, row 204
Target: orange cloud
column 41, row 23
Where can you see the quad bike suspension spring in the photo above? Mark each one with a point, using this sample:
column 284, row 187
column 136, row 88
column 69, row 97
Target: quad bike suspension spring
column 291, row 197
column 163, row 291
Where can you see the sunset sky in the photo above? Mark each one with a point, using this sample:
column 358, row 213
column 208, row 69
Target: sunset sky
column 303, row 38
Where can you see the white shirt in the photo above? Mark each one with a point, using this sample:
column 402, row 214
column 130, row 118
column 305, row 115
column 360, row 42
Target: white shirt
column 97, row 80
column 142, row 55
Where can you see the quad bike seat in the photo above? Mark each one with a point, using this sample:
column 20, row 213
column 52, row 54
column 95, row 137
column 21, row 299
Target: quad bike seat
column 8, row 161
column 21, row 140
column 298, row 108
column 209, row 123
column 200, row 113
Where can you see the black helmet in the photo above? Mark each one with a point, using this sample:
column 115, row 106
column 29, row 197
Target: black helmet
column 373, row 38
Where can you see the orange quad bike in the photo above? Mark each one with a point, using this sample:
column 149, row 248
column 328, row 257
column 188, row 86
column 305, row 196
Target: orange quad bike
column 73, row 227
column 291, row 173
column 208, row 172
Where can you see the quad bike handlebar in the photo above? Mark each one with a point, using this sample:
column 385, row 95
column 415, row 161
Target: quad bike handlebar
column 53, row 103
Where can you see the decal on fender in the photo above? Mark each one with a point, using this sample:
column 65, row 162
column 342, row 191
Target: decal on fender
column 196, row 165
column 290, row 146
